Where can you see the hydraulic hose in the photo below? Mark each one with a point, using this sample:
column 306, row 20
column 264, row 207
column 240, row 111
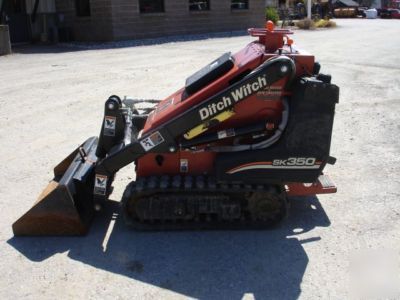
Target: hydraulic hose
column 263, row 144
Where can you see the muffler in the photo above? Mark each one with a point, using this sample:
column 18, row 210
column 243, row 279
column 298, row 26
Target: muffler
column 65, row 207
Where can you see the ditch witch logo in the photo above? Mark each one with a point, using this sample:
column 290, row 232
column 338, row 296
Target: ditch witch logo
column 235, row 96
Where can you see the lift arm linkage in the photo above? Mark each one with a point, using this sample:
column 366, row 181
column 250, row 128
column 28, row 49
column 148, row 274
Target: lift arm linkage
column 162, row 138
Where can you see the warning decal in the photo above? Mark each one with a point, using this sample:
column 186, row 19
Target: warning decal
column 151, row 141
column 100, row 184
column 184, row 165
column 109, row 125
column 226, row 133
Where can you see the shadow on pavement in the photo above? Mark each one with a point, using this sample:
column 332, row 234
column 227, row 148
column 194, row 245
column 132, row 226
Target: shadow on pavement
column 205, row 265
column 78, row 46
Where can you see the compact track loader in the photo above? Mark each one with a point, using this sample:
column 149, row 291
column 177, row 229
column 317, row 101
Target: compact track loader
column 225, row 151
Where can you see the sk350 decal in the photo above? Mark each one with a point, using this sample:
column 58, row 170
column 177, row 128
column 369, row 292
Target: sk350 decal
column 287, row 163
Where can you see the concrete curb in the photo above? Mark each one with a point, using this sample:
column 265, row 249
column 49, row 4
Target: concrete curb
column 5, row 44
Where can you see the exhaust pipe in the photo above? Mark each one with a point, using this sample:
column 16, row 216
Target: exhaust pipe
column 65, row 207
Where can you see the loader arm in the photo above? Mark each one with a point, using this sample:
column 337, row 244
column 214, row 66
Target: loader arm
column 163, row 138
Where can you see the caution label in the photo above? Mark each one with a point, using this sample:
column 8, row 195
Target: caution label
column 151, row 141
column 184, row 165
column 109, row 125
column 223, row 134
column 100, row 184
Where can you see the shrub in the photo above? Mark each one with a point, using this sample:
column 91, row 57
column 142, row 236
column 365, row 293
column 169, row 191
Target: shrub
column 305, row 24
column 271, row 14
column 325, row 24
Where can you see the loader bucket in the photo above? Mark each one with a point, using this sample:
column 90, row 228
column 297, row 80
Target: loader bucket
column 65, row 207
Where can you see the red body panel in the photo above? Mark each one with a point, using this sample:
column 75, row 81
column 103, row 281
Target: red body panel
column 265, row 105
column 197, row 163
column 247, row 59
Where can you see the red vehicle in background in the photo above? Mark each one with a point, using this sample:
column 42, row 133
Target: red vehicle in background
column 390, row 13
column 390, row 10
column 395, row 13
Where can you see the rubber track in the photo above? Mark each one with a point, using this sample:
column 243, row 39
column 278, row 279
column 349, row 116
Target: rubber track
column 170, row 185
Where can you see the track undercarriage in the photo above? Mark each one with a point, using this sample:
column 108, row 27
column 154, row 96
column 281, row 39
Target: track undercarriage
column 188, row 202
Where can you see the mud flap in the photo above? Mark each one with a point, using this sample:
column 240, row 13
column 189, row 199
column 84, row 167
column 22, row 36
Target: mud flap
column 65, row 207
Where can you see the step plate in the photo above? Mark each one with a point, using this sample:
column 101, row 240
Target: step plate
column 324, row 185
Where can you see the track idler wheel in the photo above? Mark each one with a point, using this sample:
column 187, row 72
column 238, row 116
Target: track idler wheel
column 267, row 206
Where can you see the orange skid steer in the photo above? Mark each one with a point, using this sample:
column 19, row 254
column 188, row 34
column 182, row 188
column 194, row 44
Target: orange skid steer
column 226, row 151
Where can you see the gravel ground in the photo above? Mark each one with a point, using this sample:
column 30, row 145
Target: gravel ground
column 341, row 246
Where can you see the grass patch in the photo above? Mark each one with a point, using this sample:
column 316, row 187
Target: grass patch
column 271, row 14
column 311, row 24
column 325, row 24
column 306, row 24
